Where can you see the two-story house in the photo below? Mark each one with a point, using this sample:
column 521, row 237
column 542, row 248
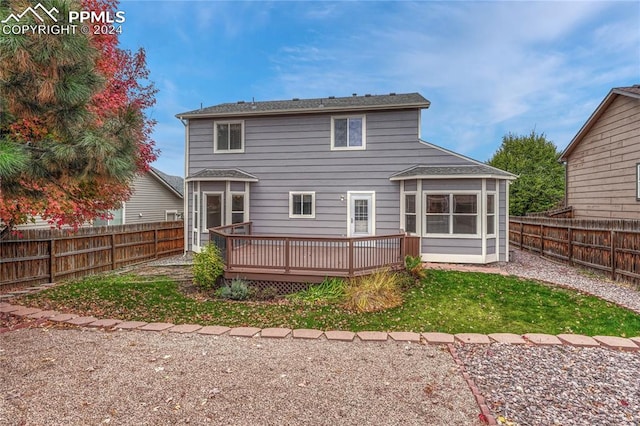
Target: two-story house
column 346, row 166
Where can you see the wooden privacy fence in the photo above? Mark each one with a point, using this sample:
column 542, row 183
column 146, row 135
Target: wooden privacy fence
column 610, row 246
column 275, row 256
column 50, row 255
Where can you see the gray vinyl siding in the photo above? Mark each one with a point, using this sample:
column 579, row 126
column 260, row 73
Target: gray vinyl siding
column 457, row 246
column 491, row 245
column 601, row 170
column 150, row 201
column 293, row 153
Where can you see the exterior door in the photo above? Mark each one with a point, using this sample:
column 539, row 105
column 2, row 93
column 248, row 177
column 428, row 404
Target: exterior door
column 361, row 214
column 214, row 212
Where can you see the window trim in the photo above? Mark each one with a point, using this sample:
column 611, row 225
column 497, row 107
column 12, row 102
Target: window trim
column 215, row 137
column 494, row 214
column 637, row 181
column 313, row 205
column 363, row 117
column 478, row 214
column 404, row 211
column 244, row 206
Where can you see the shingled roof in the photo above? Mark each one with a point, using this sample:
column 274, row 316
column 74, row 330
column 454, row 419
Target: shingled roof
column 223, row 174
column 174, row 182
column 329, row 104
column 457, row 171
column 630, row 91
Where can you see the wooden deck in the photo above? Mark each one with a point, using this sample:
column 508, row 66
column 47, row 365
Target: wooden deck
column 307, row 258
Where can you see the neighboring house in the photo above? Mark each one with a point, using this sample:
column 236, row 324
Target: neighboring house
column 155, row 197
column 603, row 159
column 351, row 166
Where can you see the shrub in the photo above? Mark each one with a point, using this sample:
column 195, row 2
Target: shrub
column 328, row 291
column 375, row 292
column 238, row 290
column 413, row 265
column 208, row 266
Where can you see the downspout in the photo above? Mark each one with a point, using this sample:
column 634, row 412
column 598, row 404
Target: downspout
column 185, row 194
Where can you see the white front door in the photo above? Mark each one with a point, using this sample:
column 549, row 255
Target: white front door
column 361, row 215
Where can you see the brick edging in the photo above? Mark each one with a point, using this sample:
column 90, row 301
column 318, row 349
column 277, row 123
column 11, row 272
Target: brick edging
column 485, row 415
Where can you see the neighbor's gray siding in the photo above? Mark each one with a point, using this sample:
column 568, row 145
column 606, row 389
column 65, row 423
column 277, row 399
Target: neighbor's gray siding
column 150, row 201
column 293, row 153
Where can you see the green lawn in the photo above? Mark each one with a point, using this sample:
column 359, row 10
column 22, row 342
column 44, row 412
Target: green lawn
column 447, row 301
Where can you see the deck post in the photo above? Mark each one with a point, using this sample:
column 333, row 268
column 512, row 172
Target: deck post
column 351, row 268
column 287, row 254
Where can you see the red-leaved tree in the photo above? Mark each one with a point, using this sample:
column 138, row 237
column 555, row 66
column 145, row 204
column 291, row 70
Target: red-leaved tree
column 73, row 127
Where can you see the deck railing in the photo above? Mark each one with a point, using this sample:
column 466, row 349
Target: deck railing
column 333, row 256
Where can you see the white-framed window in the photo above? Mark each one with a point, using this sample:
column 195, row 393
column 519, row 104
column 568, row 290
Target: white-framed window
column 302, row 205
column 171, row 215
column 638, row 182
column 410, row 216
column 238, row 207
column 348, row 132
column 491, row 214
column 195, row 219
column 228, row 136
column 452, row 213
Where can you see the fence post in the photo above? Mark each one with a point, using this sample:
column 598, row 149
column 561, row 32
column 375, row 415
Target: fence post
column 570, row 237
column 114, row 264
column 521, row 235
column 542, row 239
column 155, row 242
column 52, row 260
column 613, row 255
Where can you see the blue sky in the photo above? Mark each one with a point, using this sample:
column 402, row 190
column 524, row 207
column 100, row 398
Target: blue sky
column 488, row 68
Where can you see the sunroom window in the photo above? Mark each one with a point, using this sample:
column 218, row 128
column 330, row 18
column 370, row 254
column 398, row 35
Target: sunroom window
column 452, row 214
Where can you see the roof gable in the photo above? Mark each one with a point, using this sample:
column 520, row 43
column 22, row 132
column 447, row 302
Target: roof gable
column 632, row 92
column 306, row 106
column 174, row 183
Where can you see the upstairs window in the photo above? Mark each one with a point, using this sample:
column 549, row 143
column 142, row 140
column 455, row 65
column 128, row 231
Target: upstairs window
column 228, row 136
column 348, row 133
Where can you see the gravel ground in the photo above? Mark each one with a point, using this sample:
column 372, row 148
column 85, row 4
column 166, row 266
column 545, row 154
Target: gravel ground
column 54, row 376
column 557, row 386
column 82, row 376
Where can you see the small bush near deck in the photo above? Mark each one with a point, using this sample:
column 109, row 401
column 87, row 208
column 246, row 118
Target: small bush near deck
column 413, row 265
column 375, row 292
column 328, row 291
column 208, row 266
column 238, row 290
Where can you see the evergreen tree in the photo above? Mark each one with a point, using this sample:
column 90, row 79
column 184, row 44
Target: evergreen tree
column 540, row 185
